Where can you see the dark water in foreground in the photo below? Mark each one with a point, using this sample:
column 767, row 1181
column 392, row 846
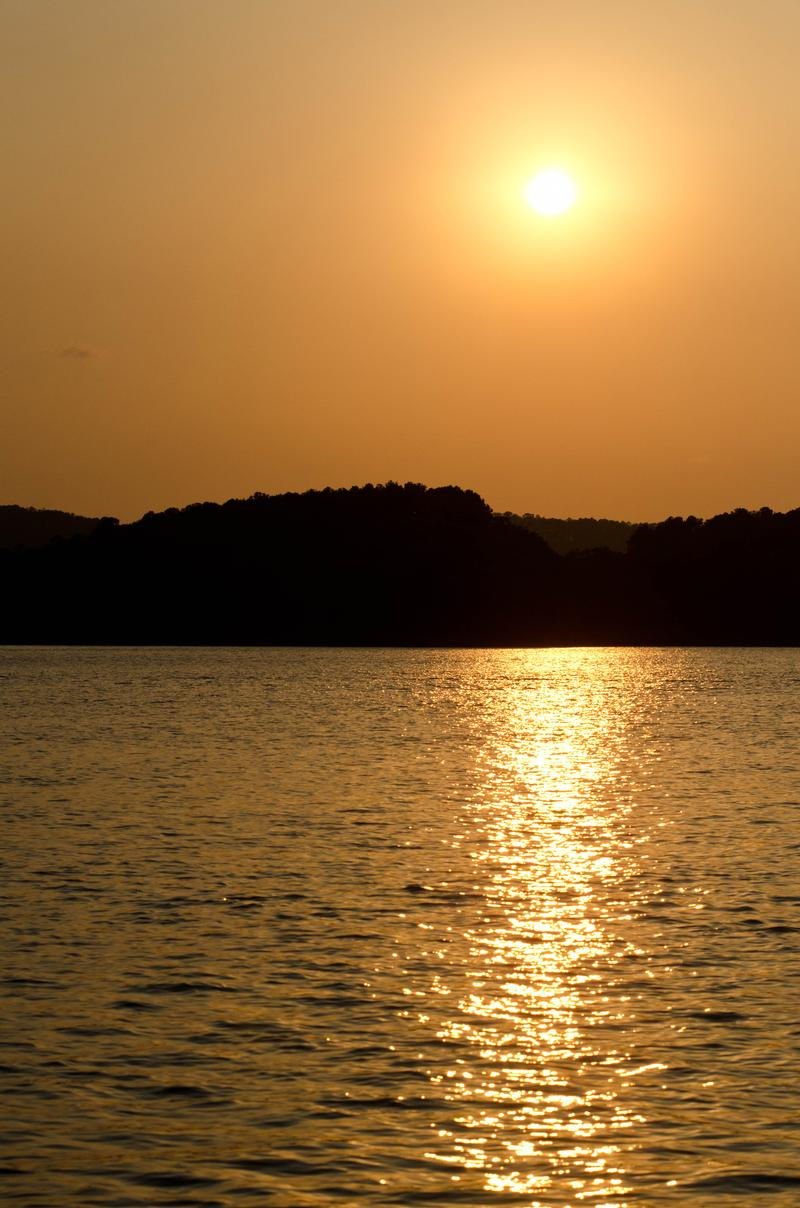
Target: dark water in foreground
column 308, row 927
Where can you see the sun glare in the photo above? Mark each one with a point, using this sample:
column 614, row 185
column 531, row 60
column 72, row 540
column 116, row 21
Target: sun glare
column 550, row 192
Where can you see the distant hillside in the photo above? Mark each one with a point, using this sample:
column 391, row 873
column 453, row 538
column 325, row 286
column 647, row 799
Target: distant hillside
column 31, row 527
column 573, row 536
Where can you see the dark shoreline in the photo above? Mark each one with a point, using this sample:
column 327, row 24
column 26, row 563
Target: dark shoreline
column 401, row 566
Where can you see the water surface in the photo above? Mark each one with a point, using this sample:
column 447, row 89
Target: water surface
column 312, row 927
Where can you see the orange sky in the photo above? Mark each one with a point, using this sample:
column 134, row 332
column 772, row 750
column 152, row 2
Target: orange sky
column 261, row 245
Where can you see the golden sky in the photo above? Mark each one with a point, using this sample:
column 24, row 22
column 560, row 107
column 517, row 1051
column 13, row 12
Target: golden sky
column 280, row 244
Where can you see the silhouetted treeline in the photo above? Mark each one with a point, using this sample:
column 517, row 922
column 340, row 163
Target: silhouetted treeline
column 36, row 526
column 401, row 565
column 731, row 580
column 573, row 536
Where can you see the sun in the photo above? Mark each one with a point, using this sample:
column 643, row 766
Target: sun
column 551, row 192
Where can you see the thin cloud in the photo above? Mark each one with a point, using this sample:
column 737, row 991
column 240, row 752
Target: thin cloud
column 79, row 352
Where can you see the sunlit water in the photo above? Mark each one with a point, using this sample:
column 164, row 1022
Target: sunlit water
column 311, row 927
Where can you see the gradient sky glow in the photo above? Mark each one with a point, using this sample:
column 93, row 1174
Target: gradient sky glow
column 279, row 244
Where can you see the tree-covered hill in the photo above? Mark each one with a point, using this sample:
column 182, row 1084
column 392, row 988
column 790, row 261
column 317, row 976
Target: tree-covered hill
column 370, row 565
column 31, row 527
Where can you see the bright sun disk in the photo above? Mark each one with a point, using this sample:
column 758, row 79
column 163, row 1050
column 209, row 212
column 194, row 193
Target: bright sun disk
column 550, row 192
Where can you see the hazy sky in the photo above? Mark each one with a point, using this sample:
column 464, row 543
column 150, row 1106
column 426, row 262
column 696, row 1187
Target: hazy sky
column 260, row 245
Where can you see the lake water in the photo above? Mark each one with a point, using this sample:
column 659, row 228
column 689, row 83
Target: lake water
column 356, row 927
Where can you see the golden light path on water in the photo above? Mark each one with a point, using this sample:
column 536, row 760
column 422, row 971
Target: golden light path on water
column 552, row 1039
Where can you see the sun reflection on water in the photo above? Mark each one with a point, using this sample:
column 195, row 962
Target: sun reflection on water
column 541, row 1104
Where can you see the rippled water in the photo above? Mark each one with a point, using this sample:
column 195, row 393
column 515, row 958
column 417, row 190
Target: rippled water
column 311, row 927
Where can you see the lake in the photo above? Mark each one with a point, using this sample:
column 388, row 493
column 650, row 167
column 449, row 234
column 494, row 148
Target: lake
column 308, row 927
